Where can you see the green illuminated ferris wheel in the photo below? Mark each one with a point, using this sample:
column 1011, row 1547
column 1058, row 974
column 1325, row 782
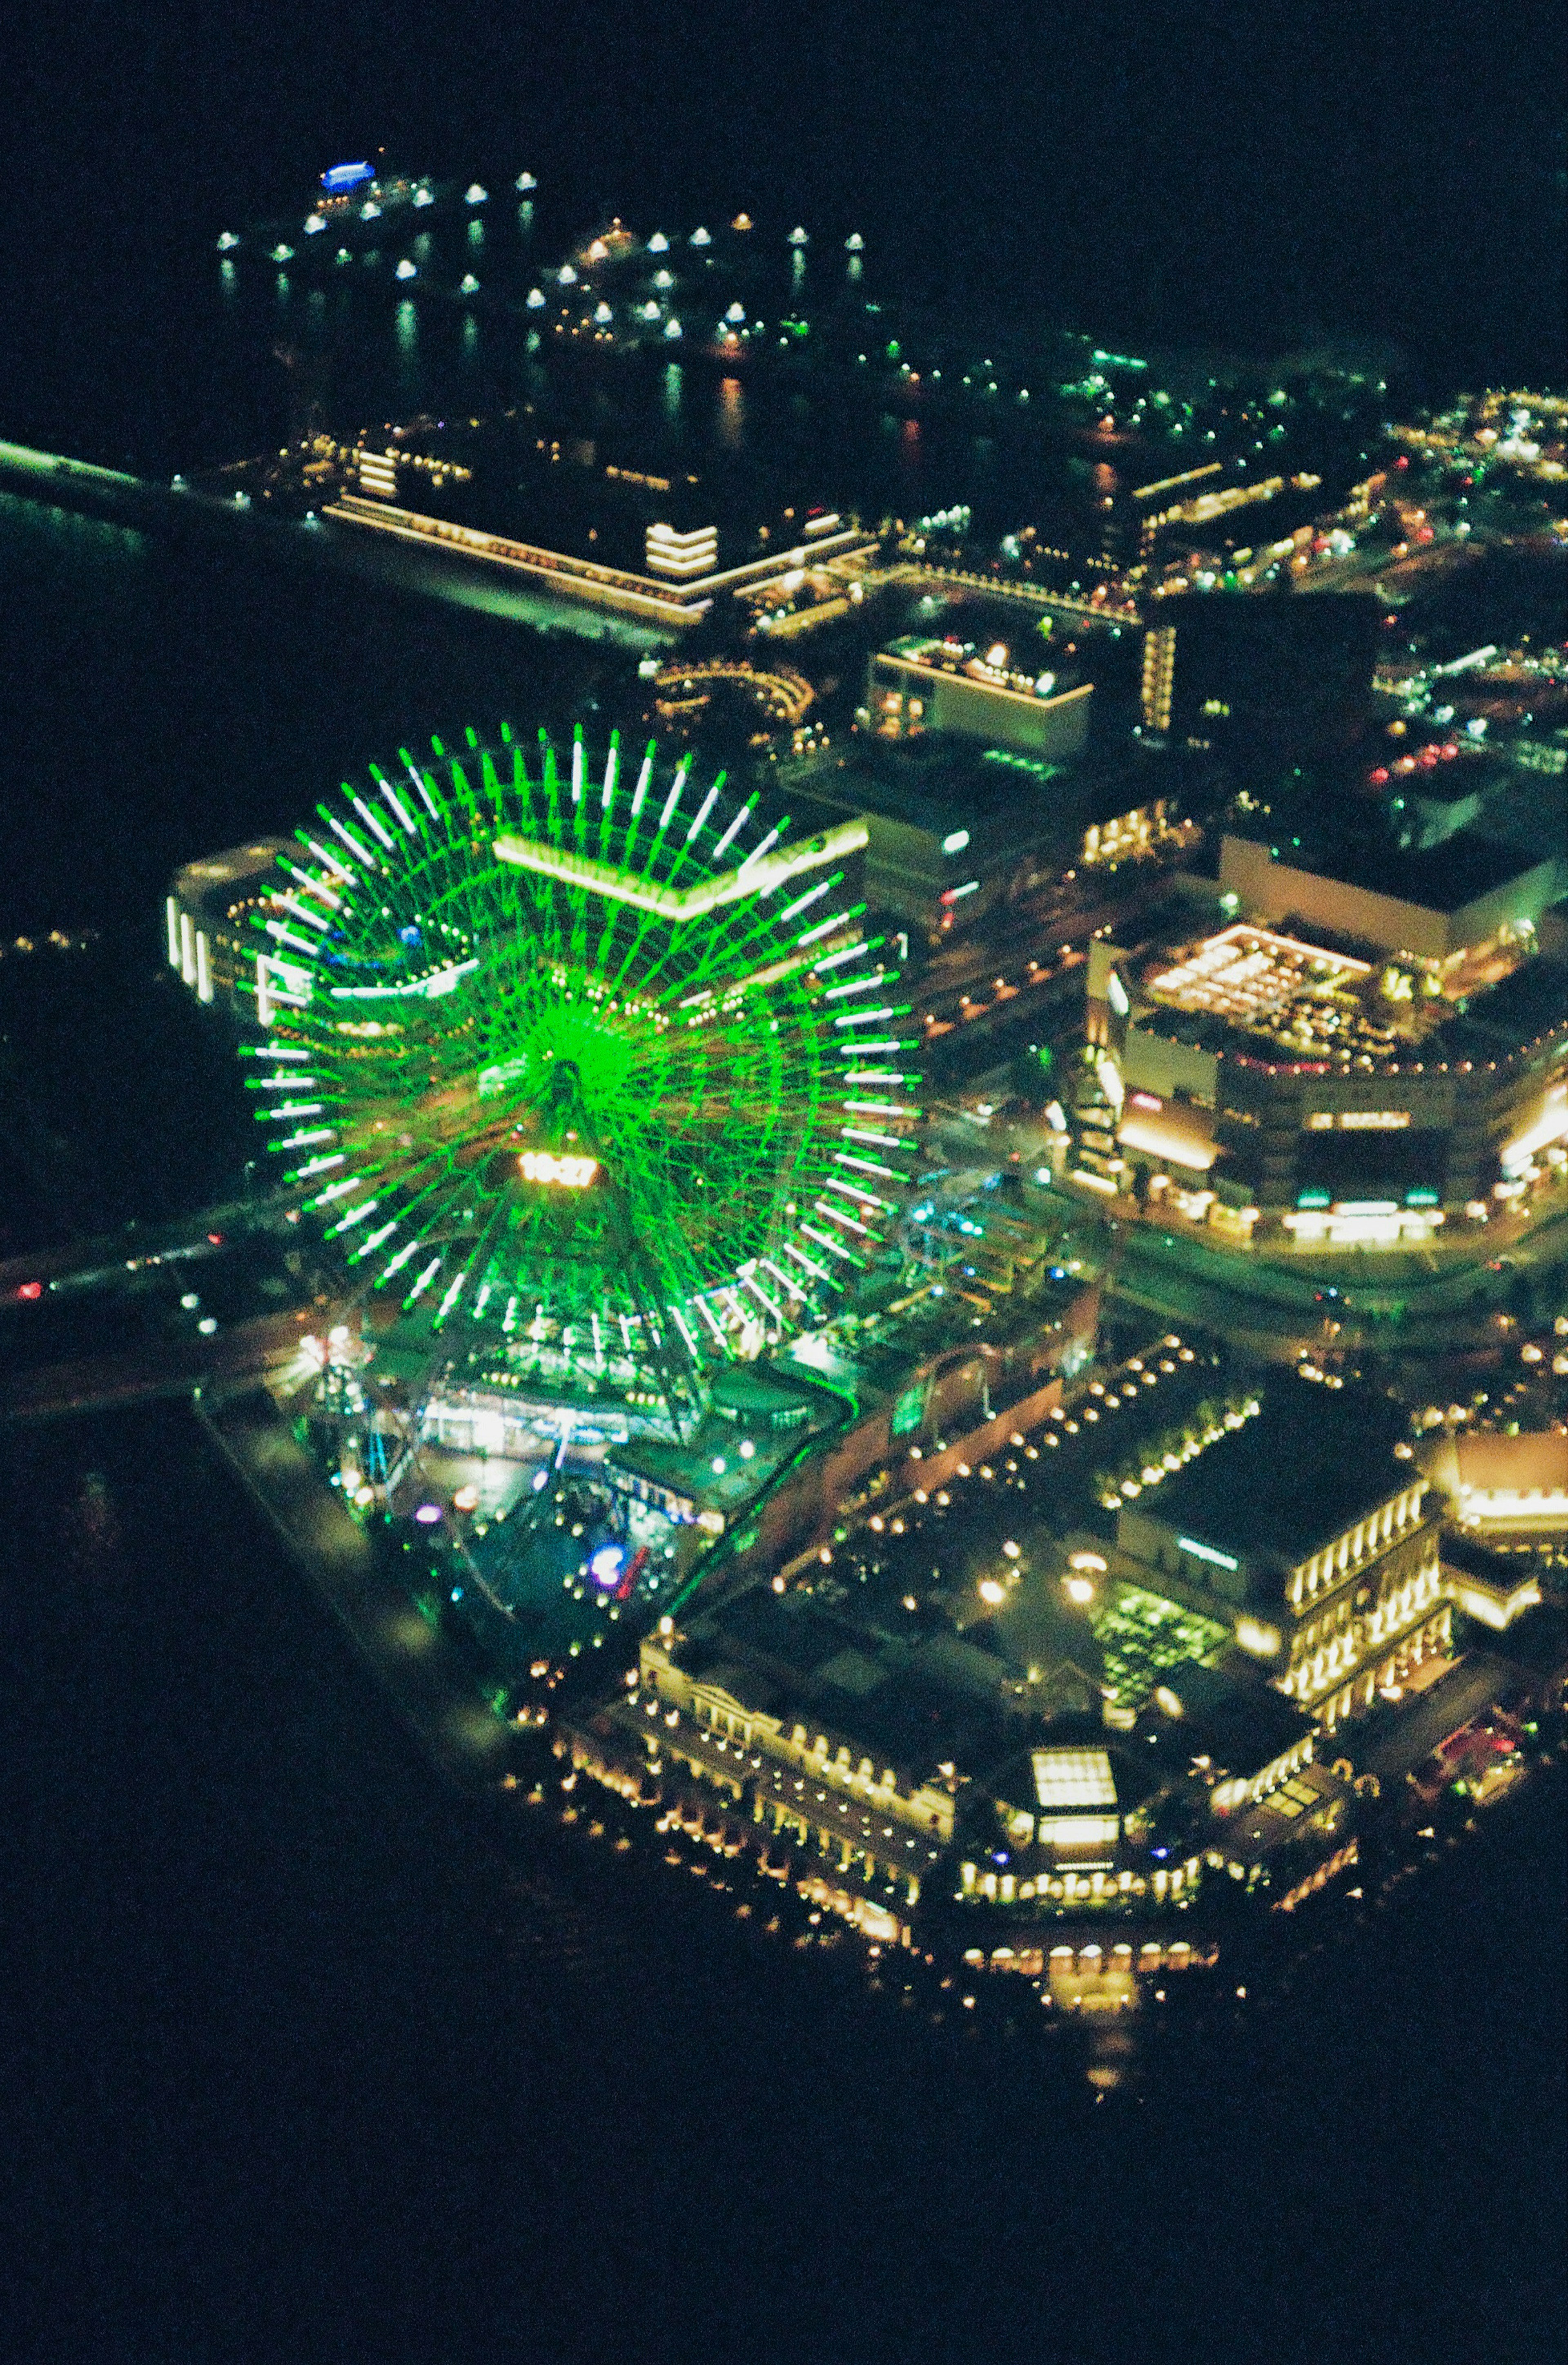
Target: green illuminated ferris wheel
column 574, row 1060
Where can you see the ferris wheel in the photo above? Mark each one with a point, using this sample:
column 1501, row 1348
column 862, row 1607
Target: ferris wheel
column 577, row 1062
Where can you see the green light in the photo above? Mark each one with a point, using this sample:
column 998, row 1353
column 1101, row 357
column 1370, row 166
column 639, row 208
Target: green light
column 1207, row 1551
column 511, row 985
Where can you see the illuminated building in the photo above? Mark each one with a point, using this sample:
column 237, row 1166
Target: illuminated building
column 1159, row 678
column 1273, row 1080
column 918, row 685
column 1506, row 1490
column 948, row 828
column 1460, row 899
column 1314, row 1540
column 661, row 549
column 834, row 1762
column 207, row 914
column 1269, row 674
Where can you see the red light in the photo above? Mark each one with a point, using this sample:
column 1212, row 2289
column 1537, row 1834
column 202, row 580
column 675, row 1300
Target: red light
column 1378, row 777
column 215, row 1239
column 1448, row 751
column 30, row 1289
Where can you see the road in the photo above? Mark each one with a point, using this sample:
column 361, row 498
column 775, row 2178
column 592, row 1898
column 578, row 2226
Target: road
column 172, row 1367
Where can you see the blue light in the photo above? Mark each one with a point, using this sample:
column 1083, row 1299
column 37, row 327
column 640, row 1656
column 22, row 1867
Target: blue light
column 606, row 1564
column 346, row 176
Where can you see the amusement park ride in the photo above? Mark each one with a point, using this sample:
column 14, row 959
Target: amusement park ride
column 591, row 1082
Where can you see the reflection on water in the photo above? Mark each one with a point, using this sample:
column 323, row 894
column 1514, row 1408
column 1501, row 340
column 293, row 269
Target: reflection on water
column 90, row 1527
column 730, row 423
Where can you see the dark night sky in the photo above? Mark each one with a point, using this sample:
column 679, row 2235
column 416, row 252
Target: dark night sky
column 1172, row 169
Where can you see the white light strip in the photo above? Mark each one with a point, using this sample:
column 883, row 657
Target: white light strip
column 673, row 797
column 733, row 831
column 332, row 862
column 357, row 1215
column 360, row 853
column 372, row 822
column 766, row 847
column 800, row 1257
column 425, row 1279
column 317, row 886
column 709, row 802
column 837, row 959
column 792, row 911
column 754, row 876
column 857, row 1192
column 708, row 1316
column 302, row 912
column 749, row 1282
column 404, row 815
column 867, row 1166
column 837, row 1215
column 419, row 779
column 823, row 928
column 833, row 1247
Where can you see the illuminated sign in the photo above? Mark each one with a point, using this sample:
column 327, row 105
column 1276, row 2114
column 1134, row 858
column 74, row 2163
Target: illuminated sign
column 1146, row 1100
column 1205, row 1551
column 1116, row 995
column 567, row 1173
column 346, row 176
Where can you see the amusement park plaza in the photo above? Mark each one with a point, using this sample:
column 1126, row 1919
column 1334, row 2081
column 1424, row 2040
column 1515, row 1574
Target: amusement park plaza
column 886, row 1435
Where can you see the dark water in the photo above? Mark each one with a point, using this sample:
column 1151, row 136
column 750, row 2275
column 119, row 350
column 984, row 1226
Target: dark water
column 309, row 2070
